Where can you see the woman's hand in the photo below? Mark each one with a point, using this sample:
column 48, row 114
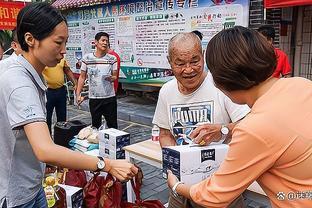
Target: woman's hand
column 181, row 188
column 121, row 169
column 172, row 179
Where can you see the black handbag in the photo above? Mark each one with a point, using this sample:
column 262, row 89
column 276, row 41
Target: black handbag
column 65, row 131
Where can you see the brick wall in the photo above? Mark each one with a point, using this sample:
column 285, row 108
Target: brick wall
column 256, row 17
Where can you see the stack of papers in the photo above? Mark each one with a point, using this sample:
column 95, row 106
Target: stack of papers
column 82, row 145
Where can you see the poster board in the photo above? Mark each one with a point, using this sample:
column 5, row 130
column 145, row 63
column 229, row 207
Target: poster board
column 140, row 30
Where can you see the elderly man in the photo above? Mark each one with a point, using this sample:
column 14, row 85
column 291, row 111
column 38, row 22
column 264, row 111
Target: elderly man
column 192, row 101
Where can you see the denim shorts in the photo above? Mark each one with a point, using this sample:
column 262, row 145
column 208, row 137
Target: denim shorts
column 39, row 201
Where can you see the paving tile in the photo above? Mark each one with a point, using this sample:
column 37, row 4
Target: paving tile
column 162, row 196
column 148, row 193
column 162, row 187
column 153, row 180
column 148, row 187
column 151, row 175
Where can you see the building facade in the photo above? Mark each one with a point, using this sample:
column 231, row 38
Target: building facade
column 293, row 25
column 292, row 22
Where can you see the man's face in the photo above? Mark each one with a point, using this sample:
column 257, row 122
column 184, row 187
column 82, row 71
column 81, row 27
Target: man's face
column 102, row 44
column 187, row 64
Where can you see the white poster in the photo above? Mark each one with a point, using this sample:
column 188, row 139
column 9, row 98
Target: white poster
column 140, row 30
column 74, row 46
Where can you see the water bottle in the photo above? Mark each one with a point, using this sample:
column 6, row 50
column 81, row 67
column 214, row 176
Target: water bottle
column 104, row 124
column 155, row 133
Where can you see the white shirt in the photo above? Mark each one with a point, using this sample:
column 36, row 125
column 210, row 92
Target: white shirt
column 98, row 69
column 206, row 105
column 22, row 101
column 6, row 63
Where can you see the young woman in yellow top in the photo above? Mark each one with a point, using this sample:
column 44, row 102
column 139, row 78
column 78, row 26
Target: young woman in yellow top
column 56, row 92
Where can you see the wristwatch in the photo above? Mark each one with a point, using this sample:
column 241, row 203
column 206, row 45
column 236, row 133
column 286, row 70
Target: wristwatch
column 100, row 164
column 224, row 132
column 174, row 191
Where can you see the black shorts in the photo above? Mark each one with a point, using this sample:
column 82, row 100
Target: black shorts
column 106, row 107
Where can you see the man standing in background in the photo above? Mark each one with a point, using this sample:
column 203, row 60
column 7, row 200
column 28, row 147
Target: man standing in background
column 283, row 68
column 56, row 93
column 101, row 69
column 6, row 63
column 199, row 34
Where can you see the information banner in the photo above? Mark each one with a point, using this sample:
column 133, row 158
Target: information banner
column 140, row 30
column 8, row 14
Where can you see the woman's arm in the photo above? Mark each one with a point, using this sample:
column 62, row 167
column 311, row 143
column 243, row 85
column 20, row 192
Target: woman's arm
column 48, row 152
column 181, row 189
column 243, row 165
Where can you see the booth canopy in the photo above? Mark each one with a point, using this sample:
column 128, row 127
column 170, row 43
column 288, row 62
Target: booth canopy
column 67, row 4
column 285, row 3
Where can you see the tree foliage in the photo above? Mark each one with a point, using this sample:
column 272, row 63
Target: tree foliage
column 6, row 38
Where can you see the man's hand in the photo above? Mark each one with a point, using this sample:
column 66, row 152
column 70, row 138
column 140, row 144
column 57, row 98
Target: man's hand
column 80, row 99
column 206, row 133
column 108, row 78
column 121, row 169
column 111, row 78
column 166, row 138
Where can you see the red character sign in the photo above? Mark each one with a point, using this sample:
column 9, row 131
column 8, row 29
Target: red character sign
column 8, row 14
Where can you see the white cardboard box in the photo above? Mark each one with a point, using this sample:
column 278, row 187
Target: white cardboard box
column 74, row 196
column 111, row 143
column 193, row 163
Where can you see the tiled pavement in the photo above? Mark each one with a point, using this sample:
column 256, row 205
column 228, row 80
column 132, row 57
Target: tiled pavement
column 135, row 116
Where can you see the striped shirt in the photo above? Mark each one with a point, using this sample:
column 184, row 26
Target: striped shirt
column 98, row 69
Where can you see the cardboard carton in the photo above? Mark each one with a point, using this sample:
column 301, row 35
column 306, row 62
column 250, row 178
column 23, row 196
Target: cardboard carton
column 111, row 143
column 74, row 196
column 193, row 163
